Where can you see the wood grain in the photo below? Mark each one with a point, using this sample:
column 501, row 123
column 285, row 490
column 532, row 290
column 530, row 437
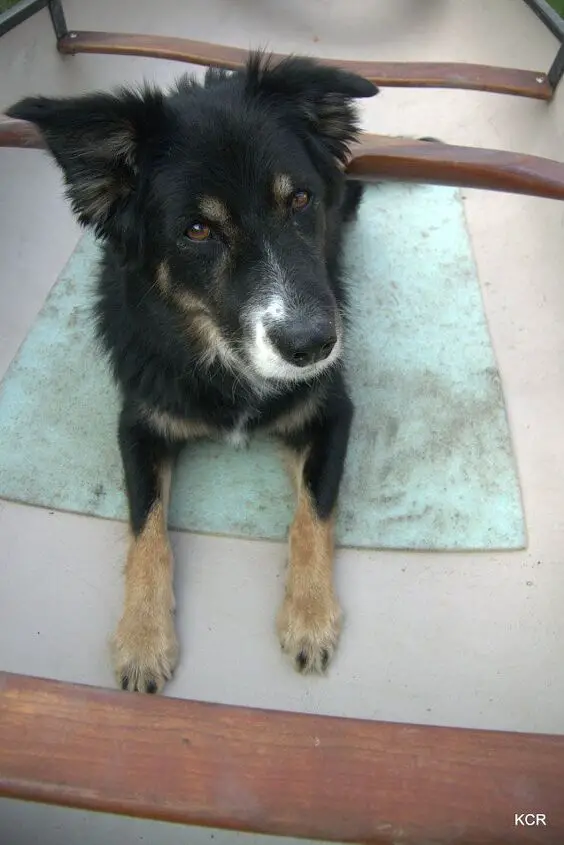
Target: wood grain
column 381, row 157
column 465, row 167
column 274, row 772
column 20, row 134
column 498, row 80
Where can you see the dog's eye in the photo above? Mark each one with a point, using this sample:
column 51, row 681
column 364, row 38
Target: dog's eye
column 198, row 231
column 300, row 200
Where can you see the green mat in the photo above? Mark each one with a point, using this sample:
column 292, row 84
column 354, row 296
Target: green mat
column 430, row 464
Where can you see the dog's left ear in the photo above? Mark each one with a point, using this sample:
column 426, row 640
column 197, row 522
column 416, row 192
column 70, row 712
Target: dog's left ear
column 320, row 97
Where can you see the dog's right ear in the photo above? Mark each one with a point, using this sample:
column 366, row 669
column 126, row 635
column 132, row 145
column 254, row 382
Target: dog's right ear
column 98, row 141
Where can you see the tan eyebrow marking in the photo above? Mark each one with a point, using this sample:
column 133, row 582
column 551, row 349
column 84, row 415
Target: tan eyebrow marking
column 282, row 188
column 215, row 211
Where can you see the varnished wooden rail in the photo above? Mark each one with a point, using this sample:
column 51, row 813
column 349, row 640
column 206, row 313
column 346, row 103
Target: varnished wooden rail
column 273, row 772
column 405, row 160
column 497, row 80
column 381, row 157
column 20, row 134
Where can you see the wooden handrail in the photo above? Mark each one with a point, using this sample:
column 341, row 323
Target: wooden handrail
column 381, row 157
column 20, row 134
column 497, row 80
column 465, row 167
column 289, row 774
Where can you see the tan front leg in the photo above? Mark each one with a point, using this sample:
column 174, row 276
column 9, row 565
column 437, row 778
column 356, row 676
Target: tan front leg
column 145, row 648
column 309, row 621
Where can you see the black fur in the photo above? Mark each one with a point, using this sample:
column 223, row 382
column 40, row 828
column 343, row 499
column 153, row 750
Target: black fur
column 262, row 148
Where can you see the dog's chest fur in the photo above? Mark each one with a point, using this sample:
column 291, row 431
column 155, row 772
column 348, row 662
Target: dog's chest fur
column 237, row 427
column 238, row 436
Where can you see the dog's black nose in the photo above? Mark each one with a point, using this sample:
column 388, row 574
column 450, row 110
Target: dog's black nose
column 304, row 343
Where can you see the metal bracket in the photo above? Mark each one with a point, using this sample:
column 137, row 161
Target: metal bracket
column 555, row 23
column 556, row 71
column 23, row 10
column 58, row 18
column 19, row 13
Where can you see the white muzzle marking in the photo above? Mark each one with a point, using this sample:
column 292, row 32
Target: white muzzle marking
column 265, row 359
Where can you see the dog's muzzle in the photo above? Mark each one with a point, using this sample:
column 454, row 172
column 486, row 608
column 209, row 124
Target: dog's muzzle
column 291, row 344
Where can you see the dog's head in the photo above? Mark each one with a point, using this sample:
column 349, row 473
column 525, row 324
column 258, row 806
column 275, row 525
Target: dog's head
column 225, row 197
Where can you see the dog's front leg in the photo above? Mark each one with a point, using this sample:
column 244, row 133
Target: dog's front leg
column 309, row 621
column 145, row 648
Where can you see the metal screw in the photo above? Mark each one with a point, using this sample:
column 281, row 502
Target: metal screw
column 73, row 35
column 540, row 78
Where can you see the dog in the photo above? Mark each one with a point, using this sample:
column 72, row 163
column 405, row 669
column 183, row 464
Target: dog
column 221, row 306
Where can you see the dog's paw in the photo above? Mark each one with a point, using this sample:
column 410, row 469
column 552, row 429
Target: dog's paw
column 309, row 630
column 144, row 652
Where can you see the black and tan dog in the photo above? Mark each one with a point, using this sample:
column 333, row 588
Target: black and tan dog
column 221, row 307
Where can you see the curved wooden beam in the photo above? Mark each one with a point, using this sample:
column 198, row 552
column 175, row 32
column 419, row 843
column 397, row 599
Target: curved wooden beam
column 401, row 159
column 381, row 158
column 20, row 134
column 272, row 772
column 497, row 80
